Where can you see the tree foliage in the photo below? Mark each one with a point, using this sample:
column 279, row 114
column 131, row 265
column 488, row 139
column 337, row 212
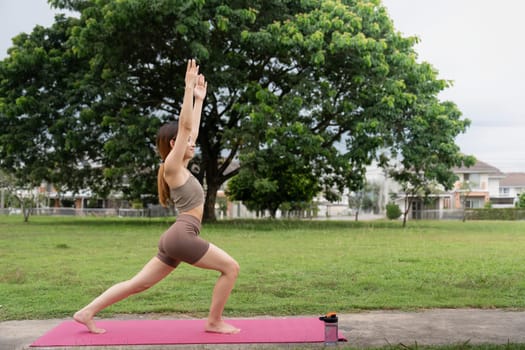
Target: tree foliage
column 366, row 199
column 305, row 94
column 521, row 201
column 283, row 171
column 423, row 156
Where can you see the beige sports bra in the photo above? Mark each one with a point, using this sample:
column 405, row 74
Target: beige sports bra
column 188, row 196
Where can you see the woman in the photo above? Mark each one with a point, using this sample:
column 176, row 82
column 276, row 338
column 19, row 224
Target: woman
column 176, row 146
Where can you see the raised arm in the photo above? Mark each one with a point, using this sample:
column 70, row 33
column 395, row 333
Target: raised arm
column 176, row 158
column 186, row 122
column 199, row 92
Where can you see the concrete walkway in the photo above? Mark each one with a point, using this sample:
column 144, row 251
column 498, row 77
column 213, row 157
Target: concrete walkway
column 363, row 330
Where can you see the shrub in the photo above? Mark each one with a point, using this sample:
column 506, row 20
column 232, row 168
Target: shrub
column 521, row 201
column 393, row 211
column 495, row 214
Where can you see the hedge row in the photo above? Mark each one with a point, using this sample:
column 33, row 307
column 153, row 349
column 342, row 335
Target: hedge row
column 495, row 214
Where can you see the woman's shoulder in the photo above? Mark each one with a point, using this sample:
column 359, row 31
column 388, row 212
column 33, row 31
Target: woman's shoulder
column 177, row 178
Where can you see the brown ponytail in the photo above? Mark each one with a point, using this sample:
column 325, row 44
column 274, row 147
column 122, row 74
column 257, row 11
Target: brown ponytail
column 166, row 133
column 163, row 188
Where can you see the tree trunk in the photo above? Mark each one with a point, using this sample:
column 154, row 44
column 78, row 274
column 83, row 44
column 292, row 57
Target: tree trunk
column 465, row 208
column 26, row 210
column 213, row 170
column 209, row 205
column 408, row 203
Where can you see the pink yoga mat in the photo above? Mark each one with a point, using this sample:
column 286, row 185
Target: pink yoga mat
column 157, row 332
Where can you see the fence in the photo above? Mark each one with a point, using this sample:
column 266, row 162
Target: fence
column 448, row 214
column 159, row 211
column 496, row 214
column 469, row 214
column 100, row 212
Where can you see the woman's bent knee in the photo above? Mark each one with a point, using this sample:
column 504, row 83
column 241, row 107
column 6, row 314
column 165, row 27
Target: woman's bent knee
column 233, row 268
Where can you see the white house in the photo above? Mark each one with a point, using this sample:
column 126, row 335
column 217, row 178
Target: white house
column 510, row 187
column 476, row 185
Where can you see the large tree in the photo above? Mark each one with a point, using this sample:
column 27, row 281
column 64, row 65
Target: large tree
column 81, row 101
column 356, row 85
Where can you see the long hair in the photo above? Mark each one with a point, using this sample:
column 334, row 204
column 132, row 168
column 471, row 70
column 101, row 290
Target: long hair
column 166, row 133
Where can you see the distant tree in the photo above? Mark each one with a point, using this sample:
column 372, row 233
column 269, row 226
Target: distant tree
column 16, row 194
column 521, row 201
column 465, row 188
column 366, row 199
column 425, row 153
column 5, row 186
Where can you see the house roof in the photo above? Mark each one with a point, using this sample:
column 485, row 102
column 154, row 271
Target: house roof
column 513, row 180
column 479, row 167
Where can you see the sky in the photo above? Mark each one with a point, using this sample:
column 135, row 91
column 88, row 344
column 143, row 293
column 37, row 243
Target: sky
column 477, row 44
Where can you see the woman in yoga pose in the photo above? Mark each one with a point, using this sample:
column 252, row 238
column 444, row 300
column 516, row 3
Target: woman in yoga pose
column 181, row 242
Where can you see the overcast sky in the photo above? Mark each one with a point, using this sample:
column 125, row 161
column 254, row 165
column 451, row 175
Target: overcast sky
column 478, row 44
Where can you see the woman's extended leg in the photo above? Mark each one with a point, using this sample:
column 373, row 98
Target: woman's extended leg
column 217, row 259
column 154, row 271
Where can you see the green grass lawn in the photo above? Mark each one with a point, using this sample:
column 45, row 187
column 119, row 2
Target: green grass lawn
column 52, row 266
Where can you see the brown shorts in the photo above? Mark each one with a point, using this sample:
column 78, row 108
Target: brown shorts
column 181, row 242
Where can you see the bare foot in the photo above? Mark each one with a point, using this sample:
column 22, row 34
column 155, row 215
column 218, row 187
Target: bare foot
column 86, row 320
column 221, row 327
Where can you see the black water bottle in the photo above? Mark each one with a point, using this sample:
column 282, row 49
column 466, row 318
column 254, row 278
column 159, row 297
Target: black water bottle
column 331, row 336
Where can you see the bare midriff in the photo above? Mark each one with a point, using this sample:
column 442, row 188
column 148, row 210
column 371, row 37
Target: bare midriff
column 196, row 212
